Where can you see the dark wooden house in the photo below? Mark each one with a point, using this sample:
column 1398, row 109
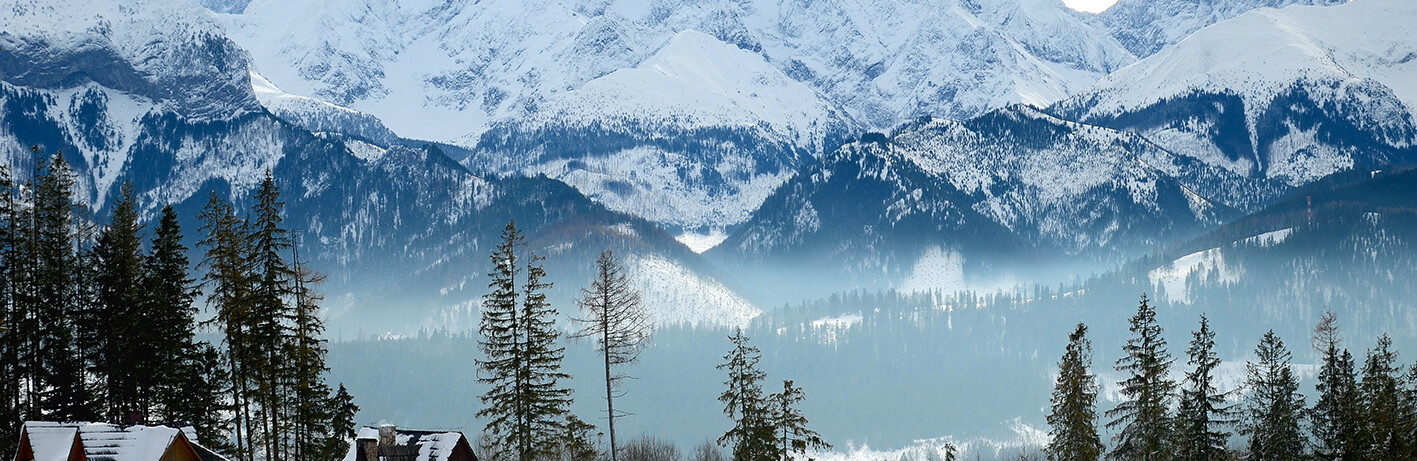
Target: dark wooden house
column 389, row 443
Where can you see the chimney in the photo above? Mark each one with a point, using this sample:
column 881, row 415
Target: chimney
column 386, row 435
column 366, row 450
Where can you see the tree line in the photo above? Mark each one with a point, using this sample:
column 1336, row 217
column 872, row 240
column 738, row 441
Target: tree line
column 97, row 324
column 527, row 402
column 1367, row 415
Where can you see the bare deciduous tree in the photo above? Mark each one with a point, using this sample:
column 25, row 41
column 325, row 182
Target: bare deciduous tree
column 615, row 318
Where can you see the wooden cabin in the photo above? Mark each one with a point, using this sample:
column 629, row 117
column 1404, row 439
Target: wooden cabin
column 81, row 441
column 389, row 443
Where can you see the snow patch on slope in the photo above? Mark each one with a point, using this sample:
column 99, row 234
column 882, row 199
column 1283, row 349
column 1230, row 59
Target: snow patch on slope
column 937, row 270
column 675, row 295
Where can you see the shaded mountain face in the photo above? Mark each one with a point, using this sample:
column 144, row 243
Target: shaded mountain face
column 402, row 229
column 1144, row 27
column 984, row 195
column 1314, row 90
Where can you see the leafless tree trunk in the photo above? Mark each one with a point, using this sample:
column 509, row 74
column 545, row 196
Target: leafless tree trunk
column 615, row 318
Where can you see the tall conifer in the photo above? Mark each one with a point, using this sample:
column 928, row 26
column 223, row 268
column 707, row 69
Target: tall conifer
column 1072, row 421
column 1203, row 413
column 1273, row 405
column 1143, row 417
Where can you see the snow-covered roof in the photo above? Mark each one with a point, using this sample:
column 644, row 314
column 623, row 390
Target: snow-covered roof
column 51, row 441
column 411, row 445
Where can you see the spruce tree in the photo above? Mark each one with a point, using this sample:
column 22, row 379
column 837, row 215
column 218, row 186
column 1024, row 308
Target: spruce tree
column 752, row 436
column 1203, row 413
column 1335, row 418
column 618, row 323
column 1386, row 415
column 61, row 388
column 11, row 367
column 548, row 399
column 1072, row 421
column 1273, row 406
column 790, row 426
column 526, row 402
column 342, row 425
column 129, row 361
column 1143, row 416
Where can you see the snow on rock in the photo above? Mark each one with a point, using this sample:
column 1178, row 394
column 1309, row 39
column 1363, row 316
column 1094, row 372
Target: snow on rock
column 444, row 70
column 168, row 51
column 675, row 295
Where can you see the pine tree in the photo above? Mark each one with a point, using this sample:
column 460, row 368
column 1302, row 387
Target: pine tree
column 1335, row 418
column 752, row 436
column 1386, row 420
column 1143, row 416
column 129, row 361
column 1203, row 412
column 1072, row 421
column 526, row 403
column 617, row 322
column 790, row 426
column 1273, row 405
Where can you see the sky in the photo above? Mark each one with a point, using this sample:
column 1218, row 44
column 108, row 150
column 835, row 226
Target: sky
column 1092, row 6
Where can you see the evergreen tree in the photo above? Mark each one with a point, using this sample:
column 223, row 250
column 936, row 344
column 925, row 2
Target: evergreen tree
column 229, row 285
column 1072, row 421
column 1335, row 418
column 129, row 360
column 617, row 322
column 1273, row 406
column 752, row 436
column 576, row 442
column 1203, row 413
column 526, row 403
column 548, row 399
column 1143, row 416
column 1386, row 415
column 790, row 426
column 59, row 371
column 11, row 366
column 270, row 330
column 342, row 424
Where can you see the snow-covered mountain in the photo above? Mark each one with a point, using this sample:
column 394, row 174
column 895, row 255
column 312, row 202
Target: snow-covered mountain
column 445, row 71
column 695, row 136
column 153, row 93
column 1012, row 185
column 1312, row 91
column 684, row 112
column 1146, row 26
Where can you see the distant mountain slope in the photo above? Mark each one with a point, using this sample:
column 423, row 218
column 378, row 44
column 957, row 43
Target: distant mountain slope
column 1312, row 91
column 1146, row 26
column 980, row 195
column 445, row 71
column 402, row 231
column 695, row 136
